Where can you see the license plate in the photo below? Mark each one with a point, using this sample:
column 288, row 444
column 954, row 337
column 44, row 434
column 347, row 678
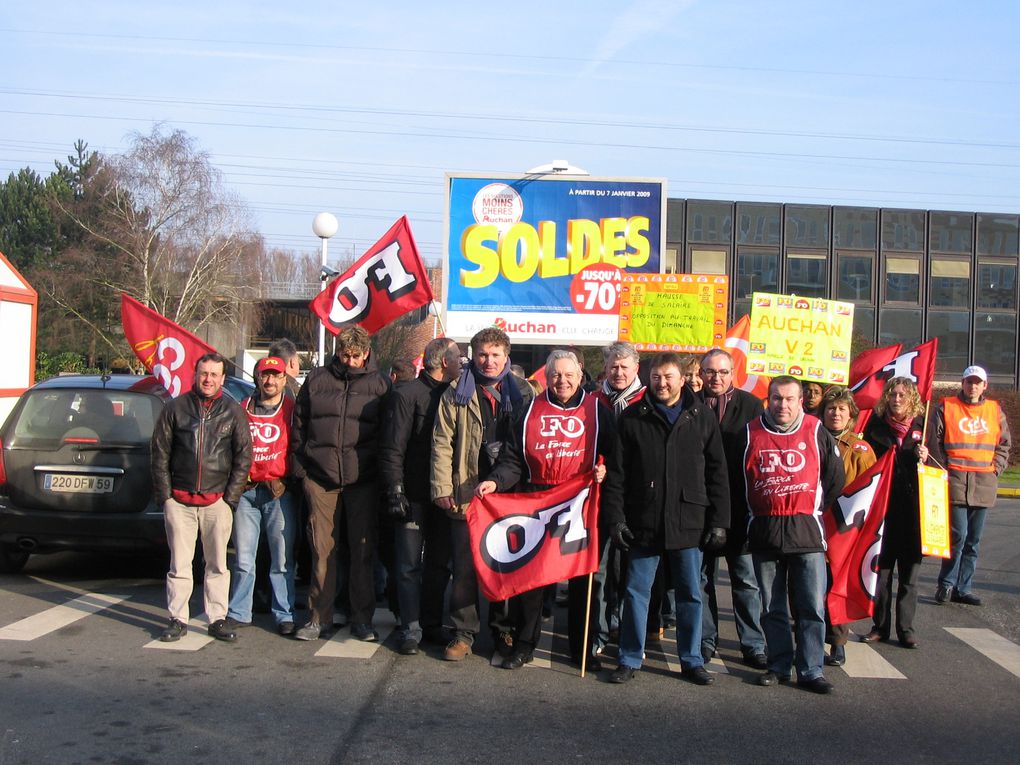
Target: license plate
column 79, row 484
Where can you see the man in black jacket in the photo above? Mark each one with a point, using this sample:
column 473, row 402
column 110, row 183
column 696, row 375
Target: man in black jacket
column 201, row 454
column 422, row 531
column 666, row 493
column 733, row 409
column 336, row 426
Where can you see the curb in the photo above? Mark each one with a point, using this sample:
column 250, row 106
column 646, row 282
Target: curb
column 1008, row 491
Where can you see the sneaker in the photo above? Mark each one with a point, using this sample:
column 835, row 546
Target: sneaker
column 220, row 630
column 942, row 593
column 364, row 632
column 622, row 674
column 234, row 624
column 408, row 647
column 772, row 678
column 310, row 631
column 285, row 628
column 175, row 630
column 836, row 657
column 967, row 598
column 457, row 650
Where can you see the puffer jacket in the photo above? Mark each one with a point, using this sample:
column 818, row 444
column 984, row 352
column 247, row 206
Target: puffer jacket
column 201, row 450
column 337, row 421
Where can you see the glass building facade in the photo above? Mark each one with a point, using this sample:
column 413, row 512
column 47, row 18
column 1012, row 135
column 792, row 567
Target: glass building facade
column 912, row 274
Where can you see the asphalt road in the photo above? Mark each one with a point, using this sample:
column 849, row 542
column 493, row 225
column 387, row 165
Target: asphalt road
column 95, row 691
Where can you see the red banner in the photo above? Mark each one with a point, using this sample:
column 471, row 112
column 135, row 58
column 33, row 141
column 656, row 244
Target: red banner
column 387, row 281
column 523, row 541
column 737, row 346
column 853, row 528
column 168, row 351
column 870, row 371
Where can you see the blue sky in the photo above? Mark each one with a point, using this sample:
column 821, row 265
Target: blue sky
column 360, row 110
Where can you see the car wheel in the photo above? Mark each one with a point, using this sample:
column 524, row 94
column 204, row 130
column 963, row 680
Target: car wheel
column 12, row 560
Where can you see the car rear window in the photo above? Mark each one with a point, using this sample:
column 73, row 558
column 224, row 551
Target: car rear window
column 111, row 417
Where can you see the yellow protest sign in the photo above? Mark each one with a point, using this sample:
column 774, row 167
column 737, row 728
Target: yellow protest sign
column 933, row 494
column 807, row 338
column 673, row 312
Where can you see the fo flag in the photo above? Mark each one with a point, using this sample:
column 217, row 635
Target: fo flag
column 166, row 349
column 524, row 541
column 870, row 371
column 737, row 345
column 387, row 281
column 853, row 528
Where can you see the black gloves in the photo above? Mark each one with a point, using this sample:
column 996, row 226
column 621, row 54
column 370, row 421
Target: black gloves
column 621, row 536
column 397, row 507
column 714, row 540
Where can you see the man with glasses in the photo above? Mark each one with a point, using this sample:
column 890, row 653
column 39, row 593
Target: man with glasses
column 733, row 409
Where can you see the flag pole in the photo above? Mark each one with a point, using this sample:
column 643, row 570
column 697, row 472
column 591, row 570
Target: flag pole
column 587, row 624
column 924, row 432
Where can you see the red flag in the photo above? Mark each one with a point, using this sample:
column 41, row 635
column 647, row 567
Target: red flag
column 167, row 350
column 737, row 346
column 523, row 541
column 870, row 371
column 853, row 528
column 387, row 281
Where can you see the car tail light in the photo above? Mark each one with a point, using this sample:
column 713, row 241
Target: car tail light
column 3, row 470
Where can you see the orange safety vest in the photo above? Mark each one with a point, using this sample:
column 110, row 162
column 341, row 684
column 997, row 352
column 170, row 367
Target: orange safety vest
column 972, row 433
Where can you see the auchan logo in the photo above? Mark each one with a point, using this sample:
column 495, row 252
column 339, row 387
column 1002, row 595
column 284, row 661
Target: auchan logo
column 524, row 327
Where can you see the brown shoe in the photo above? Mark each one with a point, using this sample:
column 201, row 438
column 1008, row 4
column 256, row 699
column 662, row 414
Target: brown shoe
column 458, row 650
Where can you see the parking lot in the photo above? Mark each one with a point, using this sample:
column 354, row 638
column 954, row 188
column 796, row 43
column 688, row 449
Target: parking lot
column 85, row 680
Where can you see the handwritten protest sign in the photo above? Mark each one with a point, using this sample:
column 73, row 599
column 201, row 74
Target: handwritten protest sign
column 673, row 312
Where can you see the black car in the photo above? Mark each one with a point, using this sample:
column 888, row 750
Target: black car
column 74, row 467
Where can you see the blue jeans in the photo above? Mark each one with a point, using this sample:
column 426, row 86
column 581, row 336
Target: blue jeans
column 257, row 510
column 746, row 604
column 965, row 527
column 802, row 576
column 422, row 552
column 685, row 566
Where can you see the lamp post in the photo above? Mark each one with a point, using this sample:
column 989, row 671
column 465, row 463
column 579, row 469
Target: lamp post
column 324, row 226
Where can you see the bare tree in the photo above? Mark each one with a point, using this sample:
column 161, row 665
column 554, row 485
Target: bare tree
column 170, row 235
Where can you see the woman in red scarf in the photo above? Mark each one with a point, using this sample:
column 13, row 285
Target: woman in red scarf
column 898, row 424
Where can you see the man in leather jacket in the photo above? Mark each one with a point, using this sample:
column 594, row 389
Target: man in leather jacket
column 201, row 454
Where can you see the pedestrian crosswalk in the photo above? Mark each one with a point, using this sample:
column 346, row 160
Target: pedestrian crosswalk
column 864, row 661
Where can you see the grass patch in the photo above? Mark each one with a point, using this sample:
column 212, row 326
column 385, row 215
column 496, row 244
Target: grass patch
column 1012, row 475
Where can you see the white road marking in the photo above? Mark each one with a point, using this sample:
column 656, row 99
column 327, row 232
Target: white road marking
column 54, row 618
column 862, row 660
column 544, row 651
column 717, row 665
column 343, row 646
column 1003, row 652
column 197, row 637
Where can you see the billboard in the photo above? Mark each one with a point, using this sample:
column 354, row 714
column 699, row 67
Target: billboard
column 542, row 256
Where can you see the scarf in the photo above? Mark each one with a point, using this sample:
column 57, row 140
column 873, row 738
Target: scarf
column 671, row 413
column 620, row 399
column 773, row 425
column 899, row 428
column 719, row 403
column 510, row 395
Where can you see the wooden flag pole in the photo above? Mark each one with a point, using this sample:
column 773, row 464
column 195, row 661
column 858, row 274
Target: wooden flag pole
column 587, row 622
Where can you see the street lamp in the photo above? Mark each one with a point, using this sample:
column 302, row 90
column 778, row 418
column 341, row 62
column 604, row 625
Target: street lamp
column 324, row 226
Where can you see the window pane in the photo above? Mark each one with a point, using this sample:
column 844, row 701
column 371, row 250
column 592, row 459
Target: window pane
column 855, row 227
column 741, row 309
column 708, row 261
column 758, row 224
column 709, row 222
column 864, row 323
column 997, row 234
column 856, row 275
column 951, row 232
column 674, row 220
column 995, row 343
column 950, row 283
column 756, row 272
column 807, row 226
column 996, row 286
column 806, row 274
column 952, row 328
column 897, row 325
column 902, row 280
column 903, row 230
column 670, row 263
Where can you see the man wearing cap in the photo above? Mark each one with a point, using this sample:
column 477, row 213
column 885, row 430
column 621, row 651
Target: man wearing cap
column 970, row 438
column 267, row 501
